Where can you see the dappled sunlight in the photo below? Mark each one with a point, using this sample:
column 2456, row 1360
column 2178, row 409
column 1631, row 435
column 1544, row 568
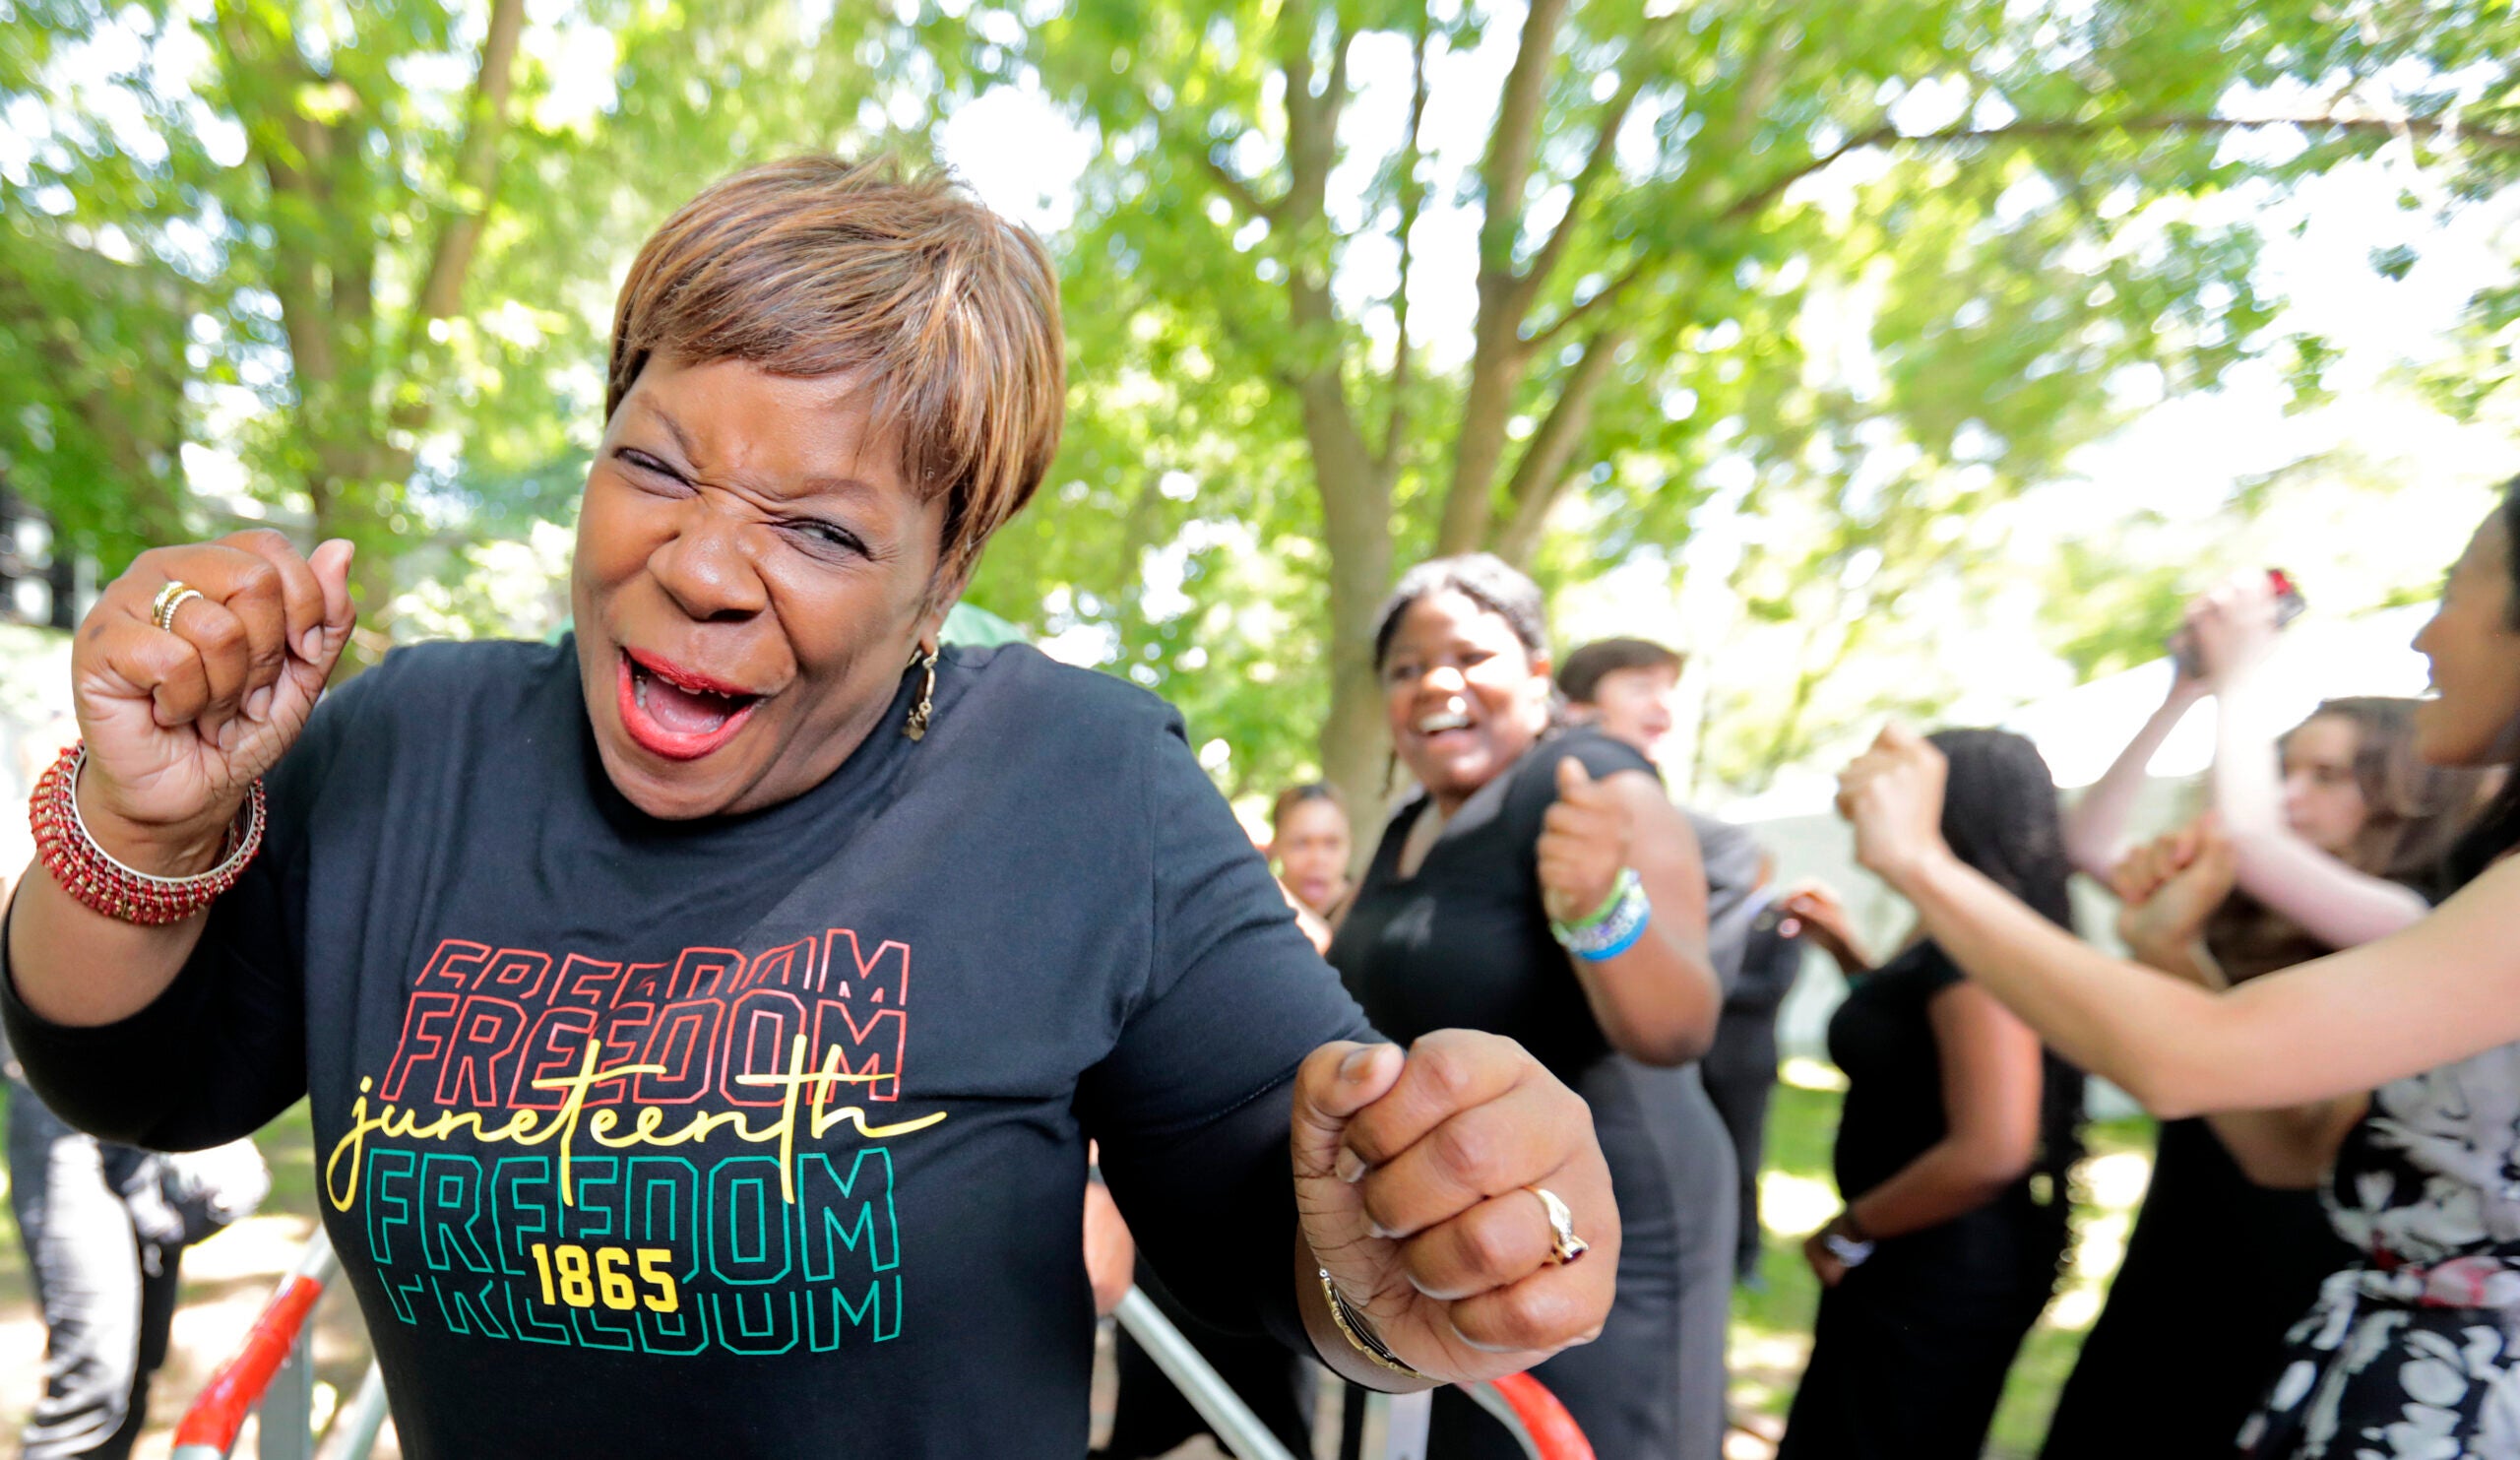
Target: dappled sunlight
column 1805, row 1073
column 1791, row 1206
column 2111, row 1186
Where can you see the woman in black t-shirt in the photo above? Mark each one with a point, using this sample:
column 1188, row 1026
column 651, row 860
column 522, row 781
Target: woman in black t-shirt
column 1453, row 925
column 704, row 1019
column 1952, row 1152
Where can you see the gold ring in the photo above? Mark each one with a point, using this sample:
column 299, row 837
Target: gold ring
column 170, row 600
column 1565, row 1246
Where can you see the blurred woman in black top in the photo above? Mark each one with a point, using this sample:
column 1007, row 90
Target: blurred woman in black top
column 1518, row 829
column 1952, row 1153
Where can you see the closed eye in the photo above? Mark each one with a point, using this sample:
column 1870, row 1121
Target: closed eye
column 651, row 472
column 826, row 537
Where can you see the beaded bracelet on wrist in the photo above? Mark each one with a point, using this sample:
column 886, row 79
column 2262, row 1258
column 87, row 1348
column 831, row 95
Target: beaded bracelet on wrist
column 85, row 870
column 1614, row 927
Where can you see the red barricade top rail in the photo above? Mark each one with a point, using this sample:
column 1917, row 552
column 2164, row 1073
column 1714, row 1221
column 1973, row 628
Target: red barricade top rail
column 1552, row 1428
column 218, row 1411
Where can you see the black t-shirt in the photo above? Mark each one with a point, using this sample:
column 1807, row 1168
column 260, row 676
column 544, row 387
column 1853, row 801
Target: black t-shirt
column 828, row 1201
column 1465, row 943
column 1882, row 1036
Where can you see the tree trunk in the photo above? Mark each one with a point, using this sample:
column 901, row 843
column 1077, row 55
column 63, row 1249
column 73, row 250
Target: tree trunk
column 1496, row 368
column 1355, row 517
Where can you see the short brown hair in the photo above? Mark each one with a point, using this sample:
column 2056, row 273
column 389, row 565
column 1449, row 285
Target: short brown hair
column 1579, row 677
column 817, row 266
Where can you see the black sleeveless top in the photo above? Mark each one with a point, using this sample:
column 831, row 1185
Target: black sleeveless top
column 1465, row 943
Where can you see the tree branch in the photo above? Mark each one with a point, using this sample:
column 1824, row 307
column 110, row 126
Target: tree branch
column 477, row 167
column 1541, row 474
column 1603, row 159
column 1601, row 299
column 1237, row 191
column 1515, row 142
column 1413, row 198
column 2034, row 129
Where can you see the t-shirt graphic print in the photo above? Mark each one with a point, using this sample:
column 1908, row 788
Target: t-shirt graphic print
column 751, row 1136
column 602, row 1076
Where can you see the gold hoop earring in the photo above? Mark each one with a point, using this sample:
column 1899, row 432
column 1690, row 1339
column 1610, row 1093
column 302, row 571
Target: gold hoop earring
column 917, row 725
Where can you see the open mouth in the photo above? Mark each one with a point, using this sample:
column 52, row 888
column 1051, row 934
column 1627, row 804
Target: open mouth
column 676, row 713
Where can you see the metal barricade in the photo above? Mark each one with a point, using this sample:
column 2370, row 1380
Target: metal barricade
column 273, row 1373
column 1520, row 1403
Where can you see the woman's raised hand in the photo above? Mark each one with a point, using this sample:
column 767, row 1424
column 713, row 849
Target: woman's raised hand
column 1892, row 794
column 1813, row 910
column 1583, row 844
column 1410, row 1182
column 2168, row 887
column 180, row 719
column 2232, row 628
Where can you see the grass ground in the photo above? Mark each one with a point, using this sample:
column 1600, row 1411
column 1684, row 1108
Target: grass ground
column 227, row 1280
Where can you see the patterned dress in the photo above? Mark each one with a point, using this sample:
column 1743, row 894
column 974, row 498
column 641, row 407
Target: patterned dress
column 2414, row 1351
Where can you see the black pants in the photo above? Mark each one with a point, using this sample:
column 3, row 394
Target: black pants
column 1151, row 1417
column 2215, row 1270
column 1909, row 1357
column 1739, row 1072
column 107, row 1291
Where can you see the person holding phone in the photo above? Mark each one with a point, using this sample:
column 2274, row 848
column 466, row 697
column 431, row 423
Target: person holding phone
column 2388, row 1072
column 2336, row 830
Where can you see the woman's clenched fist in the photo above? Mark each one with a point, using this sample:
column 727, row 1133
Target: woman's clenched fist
column 180, row 719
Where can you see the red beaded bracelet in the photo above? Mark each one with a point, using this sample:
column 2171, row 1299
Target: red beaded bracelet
column 125, row 894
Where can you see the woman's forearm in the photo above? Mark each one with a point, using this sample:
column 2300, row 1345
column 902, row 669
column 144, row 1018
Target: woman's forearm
column 1949, row 1180
column 2153, row 1036
column 2247, row 785
column 2333, row 902
column 1658, row 1002
column 74, row 966
column 2096, row 824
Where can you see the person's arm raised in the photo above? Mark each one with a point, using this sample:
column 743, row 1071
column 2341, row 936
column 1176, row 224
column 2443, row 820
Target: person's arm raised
column 1659, row 999
column 2096, row 823
column 2444, row 989
column 1821, row 917
column 178, row 723
column 2234, row 628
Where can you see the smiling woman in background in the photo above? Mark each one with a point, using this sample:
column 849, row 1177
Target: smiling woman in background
column 705, row 1018
column 1542, row 886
